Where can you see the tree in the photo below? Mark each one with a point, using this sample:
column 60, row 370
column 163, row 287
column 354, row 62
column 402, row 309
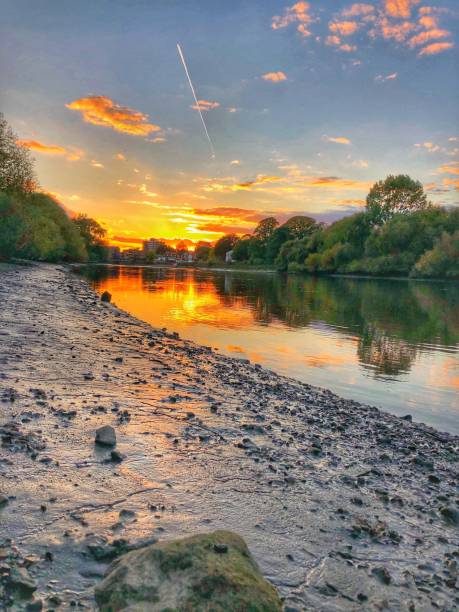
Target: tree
column 241, row 250
column 35, row 226
column 300, row 226
column 442, row 260
column 396, row 194
column 265, row 229
column 202, row 251
column 16, row 164
column 280, row 235
column 225, row 244
column 93, row 235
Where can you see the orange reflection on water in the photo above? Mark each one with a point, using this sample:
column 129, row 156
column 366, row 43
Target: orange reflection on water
column 180, row 298
column 380, row 342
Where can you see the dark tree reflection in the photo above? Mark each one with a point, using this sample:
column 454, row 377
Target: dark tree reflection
column 392, row 321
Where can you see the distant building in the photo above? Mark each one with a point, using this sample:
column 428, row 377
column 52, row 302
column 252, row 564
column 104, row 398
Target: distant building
column 113, row 254
column 229, row 257
column 132, row 256
column 185, row 256
column 150, row 245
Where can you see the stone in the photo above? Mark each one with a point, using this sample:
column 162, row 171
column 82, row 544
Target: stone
column 188, row 574
column 116, row 456
column 106, row 297
column 22, row 582
column 106, row 436
column 451, row 515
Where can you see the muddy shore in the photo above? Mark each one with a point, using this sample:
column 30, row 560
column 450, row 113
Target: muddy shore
column 344, row 507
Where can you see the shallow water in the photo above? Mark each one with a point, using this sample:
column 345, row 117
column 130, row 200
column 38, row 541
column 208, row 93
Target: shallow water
column 390, row 343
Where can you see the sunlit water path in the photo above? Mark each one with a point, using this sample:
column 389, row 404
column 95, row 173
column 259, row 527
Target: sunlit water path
column 392, row 344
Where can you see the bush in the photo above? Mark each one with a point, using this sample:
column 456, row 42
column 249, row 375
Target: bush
column 442, row 260
column 34, row 226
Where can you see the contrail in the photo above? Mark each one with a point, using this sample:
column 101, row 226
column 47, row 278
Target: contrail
column 196, row 99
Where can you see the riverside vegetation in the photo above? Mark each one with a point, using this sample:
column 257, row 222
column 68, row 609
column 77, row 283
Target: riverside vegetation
column 399, row 233
column 33, row 225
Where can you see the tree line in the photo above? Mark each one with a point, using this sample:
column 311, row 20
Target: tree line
column 399, row 233
column 33, row 225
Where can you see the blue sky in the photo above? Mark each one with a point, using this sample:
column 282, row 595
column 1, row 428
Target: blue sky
column 307, row 104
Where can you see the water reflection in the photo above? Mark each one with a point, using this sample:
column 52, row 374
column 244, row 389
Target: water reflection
column 340, row 329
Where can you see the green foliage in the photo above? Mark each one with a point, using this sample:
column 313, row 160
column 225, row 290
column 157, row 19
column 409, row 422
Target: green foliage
column 93, row 235
column 16, row 164
column 441, row 261
column 265, row 229
column 202, row 252
column 354, row 245
column 396, row 194
column 241, row 250
column 224, row 244
column 300, row 226
column 34, row 226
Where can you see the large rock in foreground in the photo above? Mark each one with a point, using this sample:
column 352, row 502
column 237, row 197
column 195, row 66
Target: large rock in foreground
column 212, row 571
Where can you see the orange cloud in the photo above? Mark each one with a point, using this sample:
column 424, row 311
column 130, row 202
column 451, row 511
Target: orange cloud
column 428, row 22
column 358, row 10
column 451, row 183
column 72, row 153
column 343, row 28
column 42, row 148
column 205, row 105
column 333, row 40
column 96, row 164
column 400, row 8
column 348, row 48
column 120, row 157
column 275, row 77
column 397, row 31
column 101, row 110
column 424, row 37
column 298, row 13
column 222, row 228
column 258, row 181
column 452, row 168
column 337, row 139
column 435, row 48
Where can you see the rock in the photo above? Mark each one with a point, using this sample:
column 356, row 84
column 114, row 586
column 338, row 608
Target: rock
column 116, row 456
column 382, row 574
column 451, row 515
column 3, row 500
column 106, row 297
column 106, row 436
column 22, row 582
column 188, row 574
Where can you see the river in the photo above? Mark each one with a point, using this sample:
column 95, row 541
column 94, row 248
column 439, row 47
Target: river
column 389, row 343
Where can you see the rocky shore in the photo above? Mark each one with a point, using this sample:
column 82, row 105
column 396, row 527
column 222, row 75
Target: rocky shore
column 343, row 506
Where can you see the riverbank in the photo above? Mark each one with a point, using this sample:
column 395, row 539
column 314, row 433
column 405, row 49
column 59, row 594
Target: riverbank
column 341, row 504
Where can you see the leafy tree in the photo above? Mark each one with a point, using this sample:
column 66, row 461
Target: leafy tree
column 300, row 225
column 224, row 244
column 441, row 261
column 35, row 226
column 93, row 235
column 279, row 237
column 241, row 250
column 202, row 251
column 265, row 229
column 16, row 163
column 396, row 194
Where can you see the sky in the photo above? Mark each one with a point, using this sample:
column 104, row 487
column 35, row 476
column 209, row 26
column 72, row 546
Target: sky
column 307, row 104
